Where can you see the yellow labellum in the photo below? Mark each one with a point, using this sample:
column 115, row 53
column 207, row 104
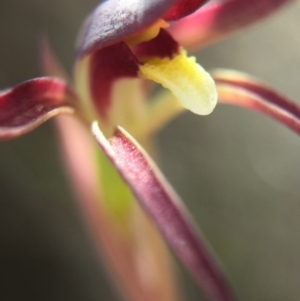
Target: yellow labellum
column 188, row 81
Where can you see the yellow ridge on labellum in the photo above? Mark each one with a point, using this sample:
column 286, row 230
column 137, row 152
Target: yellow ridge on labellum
column 188, row 81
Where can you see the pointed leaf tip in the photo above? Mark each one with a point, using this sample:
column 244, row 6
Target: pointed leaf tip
column 162, row 204
column 26, row 106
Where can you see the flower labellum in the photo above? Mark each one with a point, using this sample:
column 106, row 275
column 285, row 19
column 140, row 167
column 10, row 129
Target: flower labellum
column 124, row 46
column 143, row 50
column 187, row 80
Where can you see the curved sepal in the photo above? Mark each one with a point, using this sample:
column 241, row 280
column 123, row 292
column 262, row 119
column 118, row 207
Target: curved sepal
column 218, row 19
column 240, row 89
column 116, row 20
column 166, row 210
column 26, row 106
column 135, row 257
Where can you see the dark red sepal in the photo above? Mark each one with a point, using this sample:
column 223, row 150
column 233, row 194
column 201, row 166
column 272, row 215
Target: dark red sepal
column 182, row 9
column 26, row 106
column 166, row 210
column 106, row 66
column 161, row 46
column 240, row 89
column 218, row 19
column 116, row 20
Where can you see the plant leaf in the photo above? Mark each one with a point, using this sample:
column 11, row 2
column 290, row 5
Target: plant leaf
column 166, row 210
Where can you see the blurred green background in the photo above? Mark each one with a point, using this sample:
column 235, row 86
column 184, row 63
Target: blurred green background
column 237, row 171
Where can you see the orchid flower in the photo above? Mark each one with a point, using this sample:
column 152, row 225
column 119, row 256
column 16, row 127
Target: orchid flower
column 130, row 209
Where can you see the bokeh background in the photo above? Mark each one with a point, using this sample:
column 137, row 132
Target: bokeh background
column 237, row 171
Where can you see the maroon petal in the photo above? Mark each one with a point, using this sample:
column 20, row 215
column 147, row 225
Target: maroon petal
column 183, row 8
column 166, row 210
column 106, row 66
column 242, row 90
column 30, row 104
column 113, row 21
column 218, row 19
column 163, row 45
